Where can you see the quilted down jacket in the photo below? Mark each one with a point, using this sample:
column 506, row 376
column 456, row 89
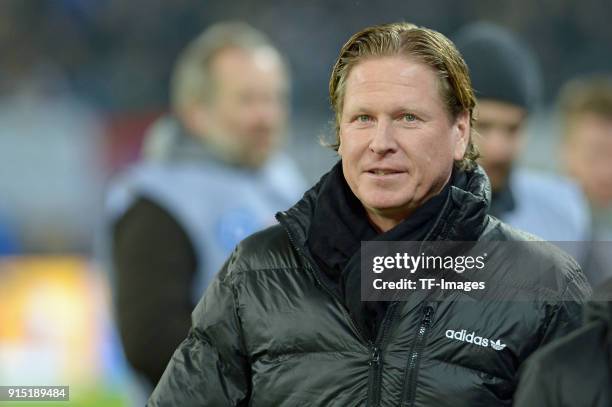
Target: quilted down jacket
column 270, row 332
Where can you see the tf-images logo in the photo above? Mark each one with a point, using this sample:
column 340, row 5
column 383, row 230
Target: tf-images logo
column 474, row 339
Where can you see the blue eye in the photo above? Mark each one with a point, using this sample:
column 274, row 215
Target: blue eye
column 363, row 118
column 409, row 117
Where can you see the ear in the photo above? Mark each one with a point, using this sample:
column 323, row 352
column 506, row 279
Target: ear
column 461, row 134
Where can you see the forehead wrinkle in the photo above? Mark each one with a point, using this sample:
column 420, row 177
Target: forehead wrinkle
column 378, row 100
column 368, row 85
column 374, row 86
column 404, row 72
column 363, row 76
column 371, row 94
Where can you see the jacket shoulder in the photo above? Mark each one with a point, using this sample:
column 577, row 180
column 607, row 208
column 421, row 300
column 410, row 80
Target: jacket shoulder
column 539, row 263
column 497, row 230
column 270, row 248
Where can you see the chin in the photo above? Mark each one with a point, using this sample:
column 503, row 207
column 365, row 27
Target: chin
column 386, row 204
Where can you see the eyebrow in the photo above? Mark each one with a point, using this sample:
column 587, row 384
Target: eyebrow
column 362, row 109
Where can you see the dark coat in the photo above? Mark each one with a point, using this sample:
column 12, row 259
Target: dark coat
column 574, row 371
column 270, row 332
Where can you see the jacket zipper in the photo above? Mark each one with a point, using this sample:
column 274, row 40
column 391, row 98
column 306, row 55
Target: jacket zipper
column 409, row 390
column 375, row 367
column 375, row 360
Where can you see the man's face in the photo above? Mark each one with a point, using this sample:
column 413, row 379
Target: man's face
column 500, row 127
column 248, row 111
column 588, row 155
column 398, row 143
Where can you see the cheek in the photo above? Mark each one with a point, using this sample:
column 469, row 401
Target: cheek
column 432, row 158
column 350, row 175
column 426, row 152
column 349, row 146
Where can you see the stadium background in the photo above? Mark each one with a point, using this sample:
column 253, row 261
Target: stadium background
column 80, row 80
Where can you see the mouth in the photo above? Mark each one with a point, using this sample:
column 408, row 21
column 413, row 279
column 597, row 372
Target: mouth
column 379, row 172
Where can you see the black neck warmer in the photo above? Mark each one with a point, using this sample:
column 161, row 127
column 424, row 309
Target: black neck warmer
column 339, row 225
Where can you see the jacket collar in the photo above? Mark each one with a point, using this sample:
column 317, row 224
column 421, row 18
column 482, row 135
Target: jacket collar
column 339, row 223
column 463, row 217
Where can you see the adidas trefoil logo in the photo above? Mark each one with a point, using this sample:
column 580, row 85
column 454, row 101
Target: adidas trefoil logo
column 474, row 339
column 497, row 345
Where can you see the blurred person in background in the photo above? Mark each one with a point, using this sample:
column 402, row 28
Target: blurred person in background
column 585, row 106
column 210, row 175
column 575, row 371
column 506, row 80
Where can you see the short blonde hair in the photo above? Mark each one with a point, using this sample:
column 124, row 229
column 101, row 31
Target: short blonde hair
column 427, row 46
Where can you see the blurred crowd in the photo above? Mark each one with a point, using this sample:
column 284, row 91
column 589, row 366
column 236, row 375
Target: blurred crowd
column 100, row 140
column 95, row 74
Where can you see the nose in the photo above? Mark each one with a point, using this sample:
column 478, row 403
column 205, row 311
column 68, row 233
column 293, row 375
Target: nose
column 383, row 139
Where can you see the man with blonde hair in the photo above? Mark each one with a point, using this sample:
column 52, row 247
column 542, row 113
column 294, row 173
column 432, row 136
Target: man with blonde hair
column 284, row 324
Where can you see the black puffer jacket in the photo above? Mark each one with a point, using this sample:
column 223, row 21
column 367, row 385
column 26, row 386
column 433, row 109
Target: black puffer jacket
column 575, row 371
column 269, row 331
